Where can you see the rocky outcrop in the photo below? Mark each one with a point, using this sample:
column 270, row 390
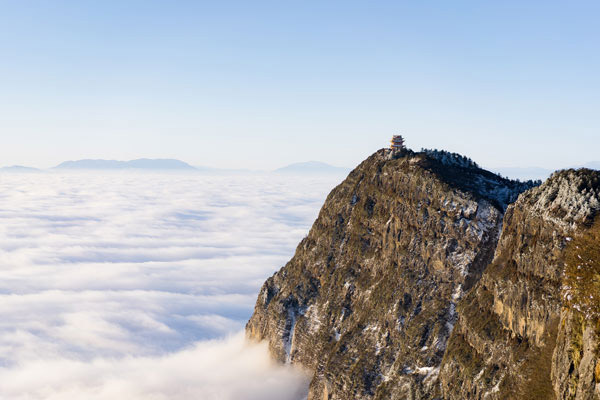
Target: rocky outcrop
column 517, row 335
column 369, row 300
column 405, row 288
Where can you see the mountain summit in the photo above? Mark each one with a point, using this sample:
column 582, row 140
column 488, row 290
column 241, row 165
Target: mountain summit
column 423, row 278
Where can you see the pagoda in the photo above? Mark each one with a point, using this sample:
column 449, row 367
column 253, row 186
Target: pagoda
column 397, row 143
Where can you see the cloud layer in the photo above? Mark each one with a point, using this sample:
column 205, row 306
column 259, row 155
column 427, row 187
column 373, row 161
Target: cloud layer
column 226, row 369
column 134, row 285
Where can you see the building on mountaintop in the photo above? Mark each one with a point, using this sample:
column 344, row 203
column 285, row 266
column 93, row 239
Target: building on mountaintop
column 397, row 143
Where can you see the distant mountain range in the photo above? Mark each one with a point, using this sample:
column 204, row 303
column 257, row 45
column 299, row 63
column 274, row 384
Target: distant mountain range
column 142, row 163
column 303, row 168
column 312, row 167
column 525, row 173
column 19, row 168
column 592, row 165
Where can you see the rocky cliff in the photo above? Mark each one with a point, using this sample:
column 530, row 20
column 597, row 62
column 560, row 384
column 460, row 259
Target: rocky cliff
column 519, row 334
column 368, row 301
column 405, row 287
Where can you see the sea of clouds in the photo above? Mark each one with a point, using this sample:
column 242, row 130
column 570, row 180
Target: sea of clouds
column 138, row 285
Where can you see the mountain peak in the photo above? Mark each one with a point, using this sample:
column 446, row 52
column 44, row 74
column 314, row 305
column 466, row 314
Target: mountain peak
column 426, row 276
column 375, row 283
column 568, row 197
column 460, row 172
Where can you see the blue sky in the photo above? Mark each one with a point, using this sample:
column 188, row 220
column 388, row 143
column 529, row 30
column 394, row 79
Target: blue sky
column 264, row 84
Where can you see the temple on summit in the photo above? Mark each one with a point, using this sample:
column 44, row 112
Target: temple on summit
column 397, row 143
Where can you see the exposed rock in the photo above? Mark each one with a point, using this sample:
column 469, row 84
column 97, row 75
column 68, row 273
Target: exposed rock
column 515, row 336
column 368, row 301
column 405, row 289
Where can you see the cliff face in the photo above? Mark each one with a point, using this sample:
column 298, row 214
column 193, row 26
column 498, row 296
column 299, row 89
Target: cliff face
column 369, row 300
column 405, row 289
column 517, row 335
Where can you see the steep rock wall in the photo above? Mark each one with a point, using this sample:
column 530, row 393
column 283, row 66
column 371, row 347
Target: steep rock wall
column 368, row 301
column 515, row 336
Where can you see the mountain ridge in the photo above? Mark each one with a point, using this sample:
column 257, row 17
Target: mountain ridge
column 20, row 169
column 371, row 298
column 140, row 163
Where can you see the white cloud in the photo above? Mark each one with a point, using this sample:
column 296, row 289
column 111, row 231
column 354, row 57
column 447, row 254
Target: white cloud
column 116, row 286
column 228, row 369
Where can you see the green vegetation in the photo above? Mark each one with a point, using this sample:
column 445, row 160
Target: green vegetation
column 581, row 280
column 537, row 366
column 581, row 292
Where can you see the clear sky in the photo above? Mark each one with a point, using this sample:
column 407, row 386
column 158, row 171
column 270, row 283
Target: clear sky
column 263, row 84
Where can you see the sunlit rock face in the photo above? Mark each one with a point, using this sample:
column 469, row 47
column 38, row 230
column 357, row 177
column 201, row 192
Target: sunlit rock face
column 519, row 334
column 369, row 300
